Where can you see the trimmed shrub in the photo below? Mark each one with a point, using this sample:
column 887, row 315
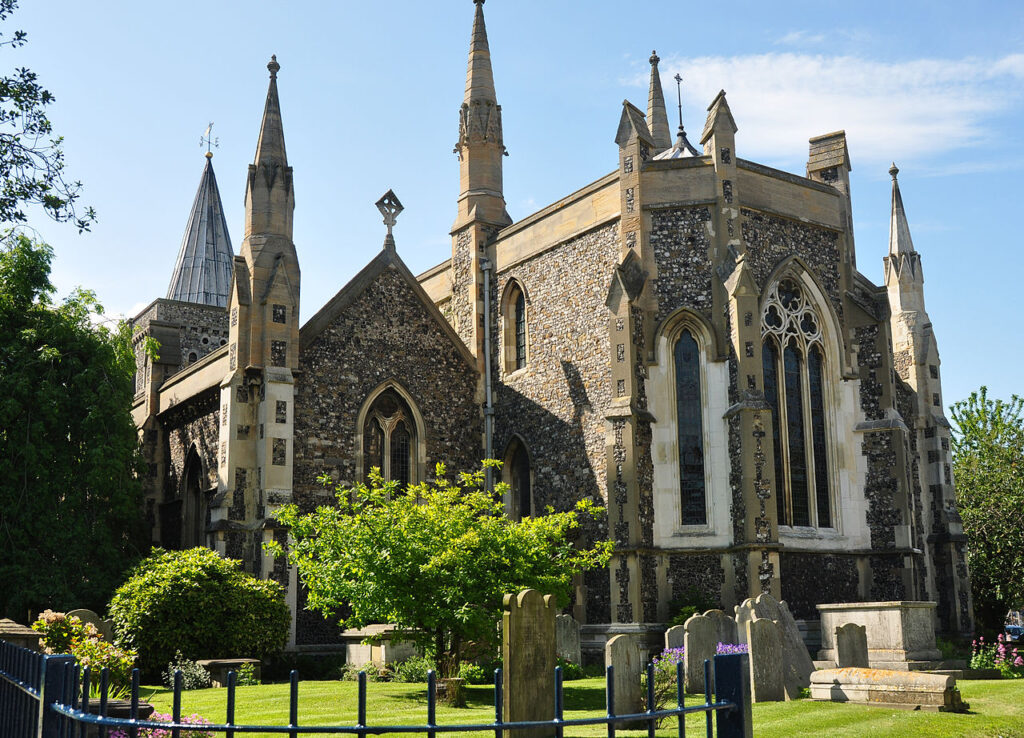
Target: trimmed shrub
column 412, row 670
column 200, row 604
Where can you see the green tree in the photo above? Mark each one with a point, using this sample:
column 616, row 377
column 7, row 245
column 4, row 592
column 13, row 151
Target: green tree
column 31, row 157
column 435, row 559
column 70, row 500
column 988, row 462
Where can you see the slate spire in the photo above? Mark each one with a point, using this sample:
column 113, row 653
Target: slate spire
column 657, row 116
column 202, row 272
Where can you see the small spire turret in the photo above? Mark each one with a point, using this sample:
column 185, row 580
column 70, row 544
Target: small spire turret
column 657, row 116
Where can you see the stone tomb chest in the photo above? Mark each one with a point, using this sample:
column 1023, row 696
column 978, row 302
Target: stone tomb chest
column 900, row 635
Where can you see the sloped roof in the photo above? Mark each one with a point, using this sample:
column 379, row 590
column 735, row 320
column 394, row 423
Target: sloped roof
column 202, row 272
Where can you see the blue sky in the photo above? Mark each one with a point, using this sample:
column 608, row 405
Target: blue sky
column 370, row 94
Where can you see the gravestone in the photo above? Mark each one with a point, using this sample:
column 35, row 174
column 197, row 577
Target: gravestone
column 528, row 652
column 104, row 627
column 765, row 644
column 623, row 653
column 674, row 637
column 725, row 626
column 796, row 661
column 567, row 638
column 700, row 641
column 852, row 646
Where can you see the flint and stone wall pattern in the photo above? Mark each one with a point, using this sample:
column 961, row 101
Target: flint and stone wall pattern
column 386, row 333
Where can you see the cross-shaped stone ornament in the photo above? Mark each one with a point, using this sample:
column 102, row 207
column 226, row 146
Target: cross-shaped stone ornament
column 389, row 206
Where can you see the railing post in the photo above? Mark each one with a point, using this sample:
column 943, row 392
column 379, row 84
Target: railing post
column 51, row 691
column 732, row 684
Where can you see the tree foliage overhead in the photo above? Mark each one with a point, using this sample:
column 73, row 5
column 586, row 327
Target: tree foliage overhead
column 435, row 559
column 70, row 500
column 988, row 461
column 31, row 157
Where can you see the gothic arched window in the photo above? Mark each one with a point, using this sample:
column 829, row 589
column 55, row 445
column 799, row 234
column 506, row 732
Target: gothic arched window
column 389, row 434
column 690, row 427
column 794, row 386
column 515, row 328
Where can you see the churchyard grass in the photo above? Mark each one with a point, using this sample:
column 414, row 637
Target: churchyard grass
column 997, row 709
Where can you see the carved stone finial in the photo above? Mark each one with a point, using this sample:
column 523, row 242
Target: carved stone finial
column 894, row 170
column 389, row 206
column 654, row 57
column 273, row 66
column 479, row 2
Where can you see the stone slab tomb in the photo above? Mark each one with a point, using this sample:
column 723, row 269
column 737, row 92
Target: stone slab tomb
column 851, row 646
column 905, row 689
column 796, row 661
column 528, row 652
column 766, row 673
column 19, row 635
column 567, row 639
column 219, row 669
column 900, row 634
column 623, row 653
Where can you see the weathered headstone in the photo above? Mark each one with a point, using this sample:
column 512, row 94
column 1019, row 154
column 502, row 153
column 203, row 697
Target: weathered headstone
column 852, row 646
column 700, row 641
column 104, row 627
column 623, row 653
column 765, row 644
column 674, row 637
column 567, row 638
column 796, row 661
column 528, row 651
column 725, row 626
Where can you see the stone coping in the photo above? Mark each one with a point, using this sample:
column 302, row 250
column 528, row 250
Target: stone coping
column 893, row 605
column 909, row 681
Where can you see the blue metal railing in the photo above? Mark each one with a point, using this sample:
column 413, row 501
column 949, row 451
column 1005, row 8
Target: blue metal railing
column 44, row 696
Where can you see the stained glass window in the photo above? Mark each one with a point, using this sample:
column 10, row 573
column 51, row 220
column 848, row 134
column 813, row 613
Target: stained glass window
column 795, row 391
column 690, row 424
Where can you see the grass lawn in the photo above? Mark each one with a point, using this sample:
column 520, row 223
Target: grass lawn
column 997, row 709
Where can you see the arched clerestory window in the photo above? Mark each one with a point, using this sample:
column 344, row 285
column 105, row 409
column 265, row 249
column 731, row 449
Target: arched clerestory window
column 793, row 358
column 389, row 438
column 514, row 333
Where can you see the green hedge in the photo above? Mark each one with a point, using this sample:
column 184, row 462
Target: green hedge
column 200, row 604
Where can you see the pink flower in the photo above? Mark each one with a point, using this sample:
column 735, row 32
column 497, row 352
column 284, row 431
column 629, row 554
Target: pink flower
column 1019, row 661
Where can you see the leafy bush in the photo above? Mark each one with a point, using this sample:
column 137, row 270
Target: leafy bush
column 350, row 673
column 570, row 670
column 664, row 677
column 158, row 717
column 193, row 676
column 475, row 674
column 246, row 676
column 60, row 633
column 412, row 670
column 201, row 604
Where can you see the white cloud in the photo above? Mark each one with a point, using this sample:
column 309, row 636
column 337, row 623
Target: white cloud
column 794, row 38
column 889, row 110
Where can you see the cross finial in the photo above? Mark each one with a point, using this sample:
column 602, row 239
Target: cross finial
column 679, row 97
column 273, row 66
column 654, row 57
column 389, row 206
column 209, row 141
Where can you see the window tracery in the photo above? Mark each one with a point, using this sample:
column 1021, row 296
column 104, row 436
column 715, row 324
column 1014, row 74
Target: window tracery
column 389, row 438
column 794, row 384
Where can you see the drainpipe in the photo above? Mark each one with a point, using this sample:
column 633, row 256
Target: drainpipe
column 486, row 266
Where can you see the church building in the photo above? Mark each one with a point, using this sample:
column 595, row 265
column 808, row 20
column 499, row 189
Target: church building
column 686, row 341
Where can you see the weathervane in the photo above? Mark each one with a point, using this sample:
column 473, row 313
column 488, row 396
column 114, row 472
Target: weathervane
column 209, row 141
column 389, row 206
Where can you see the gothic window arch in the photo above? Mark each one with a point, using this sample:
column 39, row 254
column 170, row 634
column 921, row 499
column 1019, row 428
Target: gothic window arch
column 518, row 474
column 391, row 438
column 689, row 395
column 795, row 386
column 515, row 328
